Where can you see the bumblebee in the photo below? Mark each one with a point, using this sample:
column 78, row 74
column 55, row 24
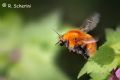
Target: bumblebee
column 78, row 40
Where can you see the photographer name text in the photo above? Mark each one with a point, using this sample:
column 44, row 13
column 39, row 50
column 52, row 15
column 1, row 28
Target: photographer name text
column 5, row 5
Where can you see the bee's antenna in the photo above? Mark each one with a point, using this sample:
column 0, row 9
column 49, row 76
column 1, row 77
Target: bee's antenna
column 58, row 35
column 57, row 43
column 56, row 32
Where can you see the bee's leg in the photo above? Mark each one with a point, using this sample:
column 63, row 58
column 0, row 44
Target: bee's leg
column 81, row 50
column 84, row 52
column 84, row 55
column 71, row 49
column 84, row 49
column 67, row 44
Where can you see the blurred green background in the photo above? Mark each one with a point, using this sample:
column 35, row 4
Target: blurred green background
column 27, row 39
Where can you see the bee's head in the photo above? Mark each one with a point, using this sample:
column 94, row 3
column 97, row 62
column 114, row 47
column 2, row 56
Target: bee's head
column 61, row 41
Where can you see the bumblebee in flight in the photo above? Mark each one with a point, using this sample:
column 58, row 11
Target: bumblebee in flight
column 78, row 40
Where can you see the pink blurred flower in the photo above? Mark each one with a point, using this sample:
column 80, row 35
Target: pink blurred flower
column 115, row 75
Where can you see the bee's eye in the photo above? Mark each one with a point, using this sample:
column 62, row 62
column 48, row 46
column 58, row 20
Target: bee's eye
column 61, row 43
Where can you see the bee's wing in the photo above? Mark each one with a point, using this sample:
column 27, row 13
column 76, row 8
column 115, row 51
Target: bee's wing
column 90, row 41
column 90, row 23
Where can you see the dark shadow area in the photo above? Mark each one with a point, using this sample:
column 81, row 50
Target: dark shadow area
column 71, row 63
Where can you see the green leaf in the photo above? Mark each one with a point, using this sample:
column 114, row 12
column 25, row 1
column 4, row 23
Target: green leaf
column 96, row 71
column 93, row 68
column 106, row 59
column 113, row 39
column 105, row 55
column 112, row 36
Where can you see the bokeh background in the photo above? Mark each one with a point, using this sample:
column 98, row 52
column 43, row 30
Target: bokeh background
column 27, row 39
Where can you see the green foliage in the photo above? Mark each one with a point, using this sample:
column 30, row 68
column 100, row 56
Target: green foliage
column 106, row 58
column 35, row 42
